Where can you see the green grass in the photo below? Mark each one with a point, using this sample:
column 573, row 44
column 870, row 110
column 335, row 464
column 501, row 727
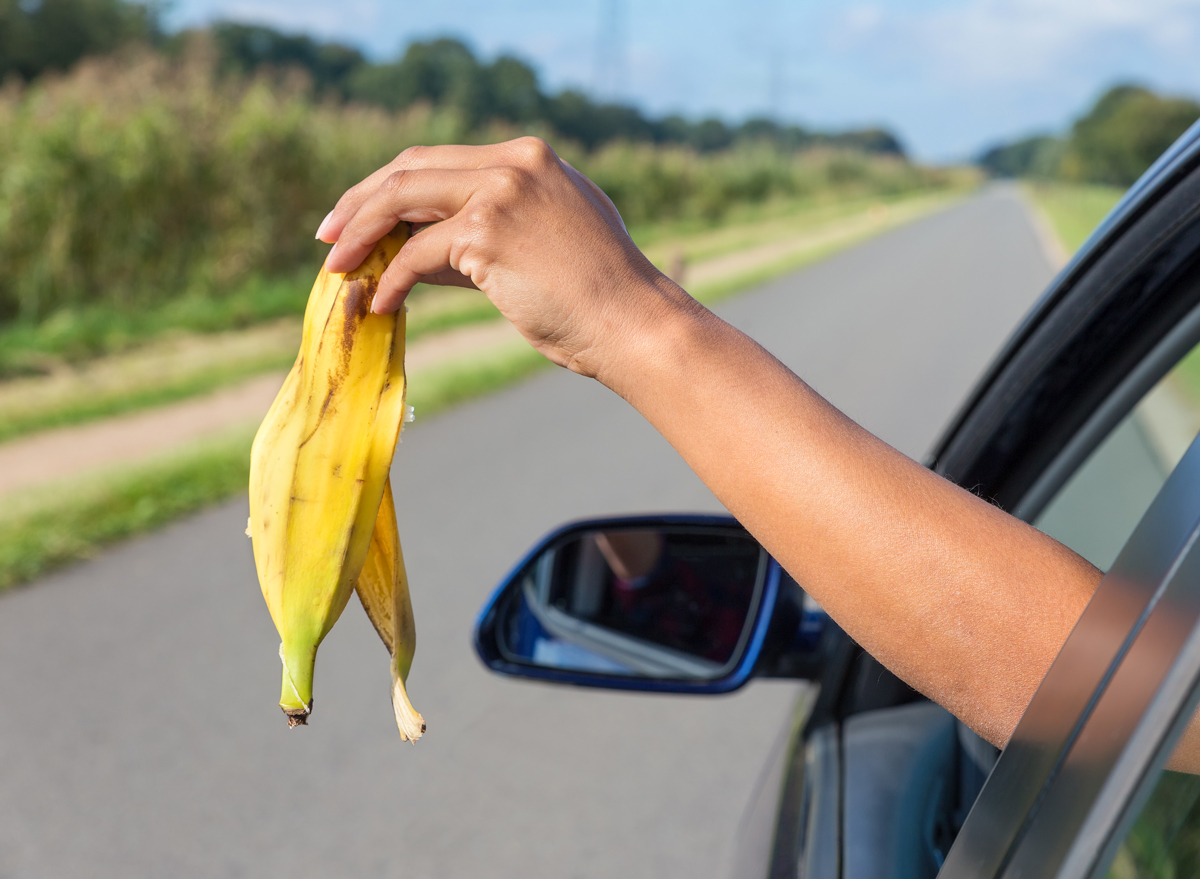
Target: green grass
column 89, row 407
column 39, row 531
column 76, row 335
column 159, row 381
column 1074, row 209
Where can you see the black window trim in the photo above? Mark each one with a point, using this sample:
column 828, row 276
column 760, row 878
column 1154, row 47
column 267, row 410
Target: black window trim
column 1176, row 163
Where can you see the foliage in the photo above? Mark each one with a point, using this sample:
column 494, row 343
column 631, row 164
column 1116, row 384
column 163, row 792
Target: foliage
column 1164, row 842
column 41, row 35
column 1127, row 129
column 244, row 49
column 445, row 73
column 1114, row 143
column 1038, row 157
column 138, row 181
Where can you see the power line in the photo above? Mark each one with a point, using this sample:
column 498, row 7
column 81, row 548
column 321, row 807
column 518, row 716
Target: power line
column 610, row 75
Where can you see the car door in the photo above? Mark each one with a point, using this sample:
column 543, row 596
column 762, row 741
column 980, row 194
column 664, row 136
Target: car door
column 1079, row 427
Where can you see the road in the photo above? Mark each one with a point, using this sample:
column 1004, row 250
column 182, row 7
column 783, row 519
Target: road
column 140, row 735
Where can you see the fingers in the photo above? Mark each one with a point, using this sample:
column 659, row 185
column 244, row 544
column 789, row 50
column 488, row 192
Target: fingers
column 351, row 200
column 415, row 196
column 424, row 257
column 450, row 157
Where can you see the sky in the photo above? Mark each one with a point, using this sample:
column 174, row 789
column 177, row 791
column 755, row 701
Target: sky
column 949, row 77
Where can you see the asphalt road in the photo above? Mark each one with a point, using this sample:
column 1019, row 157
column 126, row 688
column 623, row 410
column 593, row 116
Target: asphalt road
column 139, row 732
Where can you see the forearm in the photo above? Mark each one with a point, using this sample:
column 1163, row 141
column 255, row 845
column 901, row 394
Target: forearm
column 964, row 602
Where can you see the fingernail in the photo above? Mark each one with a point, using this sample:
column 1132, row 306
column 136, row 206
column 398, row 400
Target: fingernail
column 329, row 256
column 324, row 223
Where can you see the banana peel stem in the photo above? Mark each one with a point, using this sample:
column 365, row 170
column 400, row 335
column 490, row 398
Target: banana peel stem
column 408, row 721
column 296, row 716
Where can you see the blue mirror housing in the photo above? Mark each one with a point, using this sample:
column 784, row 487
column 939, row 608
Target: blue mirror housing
column 669, row 604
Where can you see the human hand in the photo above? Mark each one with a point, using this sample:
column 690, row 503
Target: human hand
column 512, row 219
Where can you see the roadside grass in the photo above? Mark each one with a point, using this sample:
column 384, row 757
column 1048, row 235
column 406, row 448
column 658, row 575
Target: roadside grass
column 41, row 529
column 44, row 527
column 73, row 336
column 756, row 225
column 178, row 366
column 1074, row 209
column 879, row 219
column 80, row 406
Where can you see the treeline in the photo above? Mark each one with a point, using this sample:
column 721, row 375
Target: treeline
column 1113, row 143
column 41, row 35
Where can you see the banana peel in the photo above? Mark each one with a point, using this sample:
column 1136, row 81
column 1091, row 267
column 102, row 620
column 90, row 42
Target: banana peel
column 319, row 477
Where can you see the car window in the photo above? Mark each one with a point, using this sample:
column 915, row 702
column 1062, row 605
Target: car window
column 1097, row 508
column 1165, row 840
column 1094, row 513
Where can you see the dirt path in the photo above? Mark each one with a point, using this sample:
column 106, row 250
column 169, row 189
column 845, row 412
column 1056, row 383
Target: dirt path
column 70, row 451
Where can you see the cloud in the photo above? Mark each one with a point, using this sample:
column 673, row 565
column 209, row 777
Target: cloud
column 1020, row 41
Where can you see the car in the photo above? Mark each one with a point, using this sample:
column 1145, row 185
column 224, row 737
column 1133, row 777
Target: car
column 1085, row 426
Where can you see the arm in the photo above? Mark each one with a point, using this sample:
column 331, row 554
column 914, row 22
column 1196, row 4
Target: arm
column 946, row 590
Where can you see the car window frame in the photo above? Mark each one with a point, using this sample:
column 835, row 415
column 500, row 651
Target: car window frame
column 1045, row 405
column 1037, row 816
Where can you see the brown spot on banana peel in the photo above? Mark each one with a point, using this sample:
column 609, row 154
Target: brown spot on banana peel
column 356, row 306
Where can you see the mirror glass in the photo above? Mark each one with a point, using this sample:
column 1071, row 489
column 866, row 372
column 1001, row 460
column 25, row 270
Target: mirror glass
column 672, row 602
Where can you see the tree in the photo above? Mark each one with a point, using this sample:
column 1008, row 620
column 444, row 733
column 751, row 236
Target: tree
column 1122, row 135
column 442, row 72
column 1039, row 156
column 41, row 35
column 244, row 48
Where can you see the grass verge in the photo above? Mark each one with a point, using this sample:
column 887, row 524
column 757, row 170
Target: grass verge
column 83, row 406
column 189, row 366
column 43, row 529
column 1074, row 209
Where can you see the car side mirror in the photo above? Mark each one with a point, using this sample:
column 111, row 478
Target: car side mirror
column 662, row 603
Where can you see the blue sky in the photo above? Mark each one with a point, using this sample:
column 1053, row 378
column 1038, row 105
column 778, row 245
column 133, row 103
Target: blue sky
column 948, row 76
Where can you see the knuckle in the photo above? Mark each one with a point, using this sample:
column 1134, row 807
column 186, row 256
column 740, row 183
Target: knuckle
column 535, row 150
column 508, row 182
column 478, row 217
column 411, row 155
column 395, row 182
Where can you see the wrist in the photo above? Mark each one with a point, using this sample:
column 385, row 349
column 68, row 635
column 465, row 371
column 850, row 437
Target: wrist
column 645, row 334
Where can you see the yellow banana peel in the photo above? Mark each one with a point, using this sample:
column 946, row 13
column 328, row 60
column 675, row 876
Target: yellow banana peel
column 319, row 476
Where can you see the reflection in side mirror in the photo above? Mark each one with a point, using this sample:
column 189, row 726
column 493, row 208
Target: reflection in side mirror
column 666, row 603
